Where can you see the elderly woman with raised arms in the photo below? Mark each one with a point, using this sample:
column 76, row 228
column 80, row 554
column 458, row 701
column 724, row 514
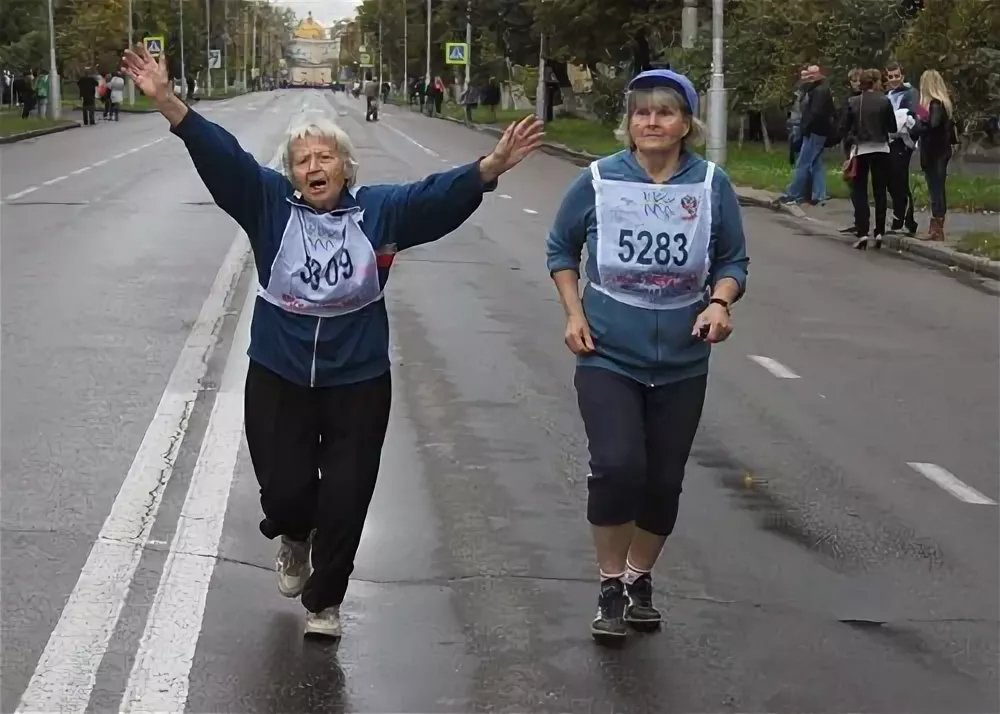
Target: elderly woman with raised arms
column 318, row 385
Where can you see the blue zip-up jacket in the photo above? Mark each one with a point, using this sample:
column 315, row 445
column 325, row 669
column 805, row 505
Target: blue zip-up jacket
column 654, row 347
column 313, row 351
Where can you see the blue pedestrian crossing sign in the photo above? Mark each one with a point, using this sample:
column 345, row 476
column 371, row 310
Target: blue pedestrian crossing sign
column 456, row 53
column 154, row 45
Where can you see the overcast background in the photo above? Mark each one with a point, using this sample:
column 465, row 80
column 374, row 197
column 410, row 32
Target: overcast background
column 325, row 12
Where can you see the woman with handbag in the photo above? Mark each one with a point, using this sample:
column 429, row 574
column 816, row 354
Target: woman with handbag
column 868, row 122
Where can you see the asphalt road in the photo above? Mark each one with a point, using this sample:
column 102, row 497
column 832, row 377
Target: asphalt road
column 821, row 562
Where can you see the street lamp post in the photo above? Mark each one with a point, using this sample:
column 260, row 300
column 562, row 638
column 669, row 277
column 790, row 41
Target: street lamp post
column 208, row 45
column 717, row 121
column 183, row 65
column 468, row 45
column 130, row 86
column 428, row 45
column 55, row 98
column 406, row 56
column 225, row 46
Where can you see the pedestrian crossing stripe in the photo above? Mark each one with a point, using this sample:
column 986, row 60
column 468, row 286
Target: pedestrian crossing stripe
column 154, row 45
column 456, row 53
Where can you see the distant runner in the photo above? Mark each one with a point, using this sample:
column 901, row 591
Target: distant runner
column 371, row 98
column 318, row 387
column 666, row 259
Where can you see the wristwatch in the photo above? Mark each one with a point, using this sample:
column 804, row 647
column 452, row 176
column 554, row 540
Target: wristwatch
column 720, row 301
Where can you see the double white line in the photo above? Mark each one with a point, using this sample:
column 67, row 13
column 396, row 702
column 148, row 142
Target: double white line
column 66, row 672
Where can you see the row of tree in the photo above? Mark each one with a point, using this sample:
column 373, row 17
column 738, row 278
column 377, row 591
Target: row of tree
column 767, row 41
column 93, row 33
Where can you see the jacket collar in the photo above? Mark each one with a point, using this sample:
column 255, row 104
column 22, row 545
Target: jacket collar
column 347, row 203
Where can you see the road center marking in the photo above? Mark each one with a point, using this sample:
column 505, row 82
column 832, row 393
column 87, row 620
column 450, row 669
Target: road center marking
column 161, row 673
column 80, row 171
column 413, row 141
column 504, row 195
column 25, row 192
column 66, row 672
column 531, row 211
column 774, row 367
column 951, row 483
column 56, row 180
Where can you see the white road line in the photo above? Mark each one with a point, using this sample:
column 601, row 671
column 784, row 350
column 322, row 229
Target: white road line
column 951, row 483
column 57, row 179
column 416, row 143
column 81, row 171
column 504, row 195
column 67, row 670
column 25, row 192
column 528, row 210
column 119, row 156
column 98, row 163
column 161, row 672
column 774, row 367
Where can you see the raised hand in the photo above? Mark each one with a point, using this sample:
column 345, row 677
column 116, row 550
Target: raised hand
column 518, row 141
column 149, row 75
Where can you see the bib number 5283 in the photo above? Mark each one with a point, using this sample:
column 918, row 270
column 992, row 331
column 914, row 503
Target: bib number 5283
column 643, row 248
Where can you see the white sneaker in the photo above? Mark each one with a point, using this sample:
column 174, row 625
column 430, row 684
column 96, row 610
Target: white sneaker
column 293, row 566
column 326, row 623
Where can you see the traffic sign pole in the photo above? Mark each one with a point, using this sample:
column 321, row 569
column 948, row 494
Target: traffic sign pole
column 129, row 84
column 208, row 44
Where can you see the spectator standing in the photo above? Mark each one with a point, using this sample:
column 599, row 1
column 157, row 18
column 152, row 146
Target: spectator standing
column 818, row 121
column 904, row 101
column 42, row 93
column 869, row 122
column 87, row 85
column 936, row 131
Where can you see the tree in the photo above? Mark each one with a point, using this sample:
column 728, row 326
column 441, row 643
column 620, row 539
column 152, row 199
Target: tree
column 961, row 40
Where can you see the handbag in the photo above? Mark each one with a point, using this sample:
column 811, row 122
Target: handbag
column 849, row 170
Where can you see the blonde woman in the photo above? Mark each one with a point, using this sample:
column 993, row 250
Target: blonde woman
column 935, row 129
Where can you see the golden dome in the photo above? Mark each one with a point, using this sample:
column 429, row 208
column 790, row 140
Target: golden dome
column 309, row 29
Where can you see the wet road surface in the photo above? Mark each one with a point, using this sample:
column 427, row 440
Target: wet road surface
column 836, row 549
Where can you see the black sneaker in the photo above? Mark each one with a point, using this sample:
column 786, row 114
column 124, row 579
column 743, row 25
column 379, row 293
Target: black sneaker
column 640, row 612
column 608, row 626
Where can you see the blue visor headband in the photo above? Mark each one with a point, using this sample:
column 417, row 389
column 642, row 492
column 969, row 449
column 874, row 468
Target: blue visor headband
column 666, row 79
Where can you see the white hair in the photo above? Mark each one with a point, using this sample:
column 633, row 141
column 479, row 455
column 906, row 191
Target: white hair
column 322, row 128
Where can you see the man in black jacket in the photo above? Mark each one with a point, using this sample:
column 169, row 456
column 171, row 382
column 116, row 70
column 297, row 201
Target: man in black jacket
column 818, row 122
column 904, row 101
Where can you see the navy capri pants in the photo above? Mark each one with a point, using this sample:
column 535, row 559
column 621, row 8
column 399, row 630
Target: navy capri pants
column 640, row 438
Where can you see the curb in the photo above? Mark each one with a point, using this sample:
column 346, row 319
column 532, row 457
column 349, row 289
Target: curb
column 34, row 134
column 765, row 199
column 908, row 247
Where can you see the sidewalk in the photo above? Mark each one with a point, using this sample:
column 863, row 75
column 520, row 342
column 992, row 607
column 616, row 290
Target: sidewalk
column 836, row 213
column 841, row 213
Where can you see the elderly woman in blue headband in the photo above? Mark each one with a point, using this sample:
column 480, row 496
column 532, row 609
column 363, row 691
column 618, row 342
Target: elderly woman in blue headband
column 666, row 260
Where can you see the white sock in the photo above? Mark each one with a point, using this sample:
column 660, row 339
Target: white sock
column 633, row 573
column 611, row 576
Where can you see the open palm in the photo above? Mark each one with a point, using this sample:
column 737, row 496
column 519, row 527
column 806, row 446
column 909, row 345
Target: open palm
column 519, row 140
column 149, row 75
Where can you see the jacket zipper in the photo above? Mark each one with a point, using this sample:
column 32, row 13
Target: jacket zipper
column 312, row 369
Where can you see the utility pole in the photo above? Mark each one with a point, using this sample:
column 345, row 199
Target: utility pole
column 183, row 66
column 429, row 18
column 381, row 62
column 246, row 33
column 55, row 94
column 129, row 84
column 541, row 95
column 225, row 46
column 253, row 48
column 717, row 122
column 406, row 57
column 468, row 45
column 208, row 45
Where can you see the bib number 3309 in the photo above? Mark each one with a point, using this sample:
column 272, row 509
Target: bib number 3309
column 643, row 248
